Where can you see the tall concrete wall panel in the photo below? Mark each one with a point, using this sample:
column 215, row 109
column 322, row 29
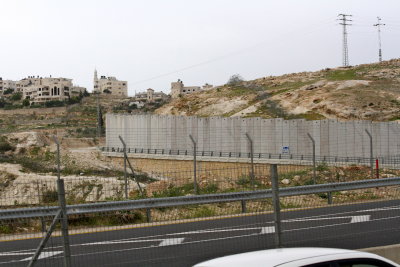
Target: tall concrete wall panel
column 358, row 138
column 285, row 137
column 269, row 136
column 333, row 137
column 366, row 139
column 324, row 138
column 375, row 132
column 394, row 137
column 278, row 136
column 275, row 136
column 257, row 137
column 385, row 139
column 293, row 137
column 236, row 135
column 349, row 138
column 342, row 151
column 303, row 141
column 224, row 127
column 316, row 134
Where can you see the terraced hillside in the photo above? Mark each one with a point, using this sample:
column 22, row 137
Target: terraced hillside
column 369, row 91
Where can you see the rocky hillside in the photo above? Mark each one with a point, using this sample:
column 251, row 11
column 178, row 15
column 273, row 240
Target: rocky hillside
column 369, row 91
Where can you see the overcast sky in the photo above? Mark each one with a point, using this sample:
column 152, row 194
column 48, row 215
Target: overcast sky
column 150, row 43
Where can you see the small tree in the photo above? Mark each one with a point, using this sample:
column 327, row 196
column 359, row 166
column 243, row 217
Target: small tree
column 235, row 79
column 9, row 91
column 16, row 96
column 26, row 102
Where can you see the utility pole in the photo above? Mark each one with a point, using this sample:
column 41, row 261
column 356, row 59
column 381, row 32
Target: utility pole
column 344, row 23
column 379, row 24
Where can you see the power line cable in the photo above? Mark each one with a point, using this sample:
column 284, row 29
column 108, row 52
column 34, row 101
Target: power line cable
column 231, row 54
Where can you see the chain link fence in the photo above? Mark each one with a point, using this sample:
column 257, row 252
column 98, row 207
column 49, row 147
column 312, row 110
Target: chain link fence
column 183, row 230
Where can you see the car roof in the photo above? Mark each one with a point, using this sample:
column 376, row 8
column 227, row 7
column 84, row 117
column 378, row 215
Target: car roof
column 286, row 257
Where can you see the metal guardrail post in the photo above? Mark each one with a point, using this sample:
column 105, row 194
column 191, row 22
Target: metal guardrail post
column 148, row 215
column 244, row 208
column 276, row 204
column 330, row 200
column 313, row 153
column 252, row 160
column 125, row 171
column 371, row 153
column 64, row 222
column 194, row 164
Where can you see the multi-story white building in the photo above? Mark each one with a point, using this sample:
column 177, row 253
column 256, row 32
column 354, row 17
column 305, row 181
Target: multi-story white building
column 39, row 90
column 109, row 85
column 150, row 96
column 178, row 89
column 6, row 85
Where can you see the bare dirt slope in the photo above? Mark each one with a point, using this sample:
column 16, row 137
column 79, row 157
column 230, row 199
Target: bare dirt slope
column 369, row 91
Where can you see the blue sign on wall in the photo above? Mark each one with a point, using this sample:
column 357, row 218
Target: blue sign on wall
column 285, row 150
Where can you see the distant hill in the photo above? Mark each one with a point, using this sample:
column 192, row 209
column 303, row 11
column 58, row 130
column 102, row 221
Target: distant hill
column 368, row 92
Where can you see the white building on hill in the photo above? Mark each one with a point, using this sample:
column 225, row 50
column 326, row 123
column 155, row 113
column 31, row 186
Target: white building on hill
column 109, row 85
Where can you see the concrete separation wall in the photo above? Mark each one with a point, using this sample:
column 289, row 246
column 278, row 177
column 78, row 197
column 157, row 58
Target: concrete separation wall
column 390, row 252
column 274, row 136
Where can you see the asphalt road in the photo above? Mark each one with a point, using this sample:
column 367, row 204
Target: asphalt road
column 184, row 244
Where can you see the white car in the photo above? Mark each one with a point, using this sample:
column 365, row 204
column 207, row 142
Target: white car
column 301, row 257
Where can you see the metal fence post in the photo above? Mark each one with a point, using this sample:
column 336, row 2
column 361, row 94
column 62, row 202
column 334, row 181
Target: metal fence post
column 194, row 164
column 252, row 160
column 371, row 151
column 148, row 215
column 243, row 204
column 46, row 237
column 42, row 221
column 276, row 204
column 330, row 200
column 125, row 174
column 64, row 222
column 58, row 157
column 313, row 155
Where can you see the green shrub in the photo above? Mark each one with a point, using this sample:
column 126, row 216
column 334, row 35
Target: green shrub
column 175, row 191
column 16, row 96
column 26, row 103
column 203, row 211
column 209, row 189
column 33, row 165
column 5, row 145
column 245, row 181
column 54, row 103
column 322, row 167
column 9, row 91
column 49, row 196
column 6, row 229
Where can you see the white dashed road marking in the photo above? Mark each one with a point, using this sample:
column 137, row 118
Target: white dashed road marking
column 171, row 242
column 361, row 218
column 44, row 255
column 267, row 230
